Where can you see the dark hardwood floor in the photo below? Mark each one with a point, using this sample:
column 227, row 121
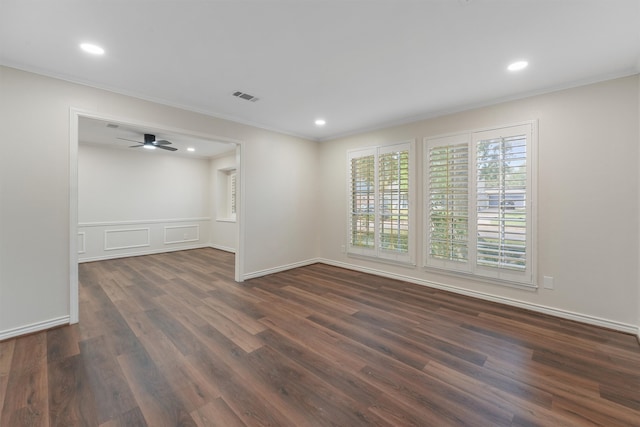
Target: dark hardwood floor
column 172, row 340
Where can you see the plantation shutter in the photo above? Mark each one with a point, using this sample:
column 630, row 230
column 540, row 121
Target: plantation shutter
column 447, row 202
column 478, row 203
column 379, row 202
column 502, row 203
column 232, row 192
column 362, row 167
column 393, row 200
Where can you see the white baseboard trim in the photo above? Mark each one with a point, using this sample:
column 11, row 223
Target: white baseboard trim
column 222, row 248
column 278, row 269
column 564, row 314
column 34, row 327
column 147, row 252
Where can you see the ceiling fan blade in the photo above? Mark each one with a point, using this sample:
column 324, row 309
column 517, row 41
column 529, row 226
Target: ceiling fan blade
column 161, row 142
column 166, row 148
column 130, row 140
column 136, row 146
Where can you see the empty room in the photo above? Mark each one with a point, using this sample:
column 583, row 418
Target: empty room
column 345, row 213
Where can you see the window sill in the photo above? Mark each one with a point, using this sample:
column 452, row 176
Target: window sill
column 532, row 287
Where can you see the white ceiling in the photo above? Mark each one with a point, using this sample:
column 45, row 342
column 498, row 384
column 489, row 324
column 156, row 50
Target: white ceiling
column 358, row 64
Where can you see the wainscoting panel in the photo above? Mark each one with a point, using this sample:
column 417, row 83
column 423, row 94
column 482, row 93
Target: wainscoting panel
column 127, row 238
column 82, row 242
column 181, row 233
column 117, row 239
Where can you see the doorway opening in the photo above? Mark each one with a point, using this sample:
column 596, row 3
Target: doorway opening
column 123, row 137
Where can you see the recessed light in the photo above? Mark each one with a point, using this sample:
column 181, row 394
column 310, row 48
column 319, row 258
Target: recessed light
column 321, row 122
column 518, row 65
column 191, row 149
column 92, row 48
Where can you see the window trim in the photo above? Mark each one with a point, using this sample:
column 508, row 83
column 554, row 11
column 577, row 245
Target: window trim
column 377, row 252
column 470, row 269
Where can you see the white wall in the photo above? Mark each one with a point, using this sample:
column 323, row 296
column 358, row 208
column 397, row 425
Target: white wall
column 278, row 221
column 294, row 208
column 223, row 227
column 140, row 202
column 284, row 205
column 588, row 192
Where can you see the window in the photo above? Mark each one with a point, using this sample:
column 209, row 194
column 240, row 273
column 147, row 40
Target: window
column 448, row 202
column 231, row 178
column 226, row 195
column 479, row 203
column 379, row 202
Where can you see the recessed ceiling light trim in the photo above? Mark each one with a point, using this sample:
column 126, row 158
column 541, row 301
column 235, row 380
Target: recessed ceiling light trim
column 518, row 65
column 92, row 48
column 320, row 122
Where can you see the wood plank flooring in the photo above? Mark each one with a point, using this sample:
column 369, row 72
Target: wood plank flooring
column 172, row 340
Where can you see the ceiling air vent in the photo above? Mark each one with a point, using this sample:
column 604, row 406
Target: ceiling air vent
column 245, row 96
column 112, row 126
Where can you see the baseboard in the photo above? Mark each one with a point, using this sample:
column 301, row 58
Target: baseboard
column 222, row 248
column 564, row 314
column 147, row 252
column 34, row 327
column 278, row 269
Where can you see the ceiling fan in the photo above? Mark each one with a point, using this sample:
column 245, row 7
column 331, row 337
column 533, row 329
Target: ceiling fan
column 151, row 143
